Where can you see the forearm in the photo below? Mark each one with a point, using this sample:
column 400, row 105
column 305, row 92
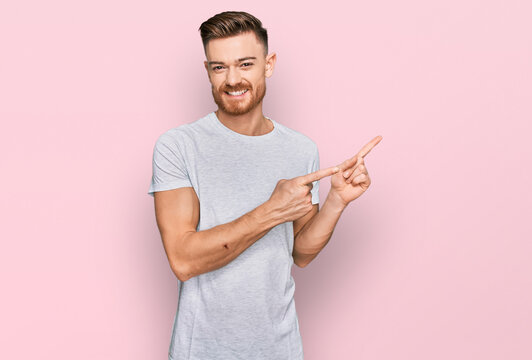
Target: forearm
column 211, row 249
column 317, row 232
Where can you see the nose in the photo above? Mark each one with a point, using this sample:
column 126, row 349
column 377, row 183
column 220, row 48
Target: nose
column 233, row 76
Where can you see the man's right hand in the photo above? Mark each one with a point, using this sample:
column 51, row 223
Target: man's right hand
column 291, row 198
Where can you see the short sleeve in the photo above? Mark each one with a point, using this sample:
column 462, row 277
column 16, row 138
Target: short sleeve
column 169, row 170
column 315, row 166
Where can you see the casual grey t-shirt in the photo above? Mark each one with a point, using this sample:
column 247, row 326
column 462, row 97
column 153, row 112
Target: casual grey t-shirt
column 245, row 309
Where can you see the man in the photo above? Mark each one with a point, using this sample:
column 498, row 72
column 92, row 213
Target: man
column 236, row 203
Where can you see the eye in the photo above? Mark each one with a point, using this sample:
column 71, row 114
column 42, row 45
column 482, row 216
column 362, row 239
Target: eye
column 217, row 67
column 248, row 64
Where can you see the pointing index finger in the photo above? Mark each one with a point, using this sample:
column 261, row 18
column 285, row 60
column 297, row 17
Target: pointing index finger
column 367, row 148
column 317, row 175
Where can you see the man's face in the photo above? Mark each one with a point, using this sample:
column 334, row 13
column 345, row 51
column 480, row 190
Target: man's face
column 237, row 70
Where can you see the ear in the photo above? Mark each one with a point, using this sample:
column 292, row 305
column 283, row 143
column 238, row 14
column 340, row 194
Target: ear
column 270, row 64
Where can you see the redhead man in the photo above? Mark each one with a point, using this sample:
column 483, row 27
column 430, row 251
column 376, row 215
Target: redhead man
column 236, row 203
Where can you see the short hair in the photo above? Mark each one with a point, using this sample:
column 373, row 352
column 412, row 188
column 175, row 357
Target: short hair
column 231, row 23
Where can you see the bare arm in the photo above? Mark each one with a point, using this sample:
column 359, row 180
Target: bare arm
column 299, row 225
column 346, row 185
column 317, row 232
column 192, row 252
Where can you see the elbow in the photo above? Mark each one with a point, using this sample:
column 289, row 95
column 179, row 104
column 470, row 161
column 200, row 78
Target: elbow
column 181, row 271
column 181, row 266
column 182, row 275
column 300, row 264
column 302, row 260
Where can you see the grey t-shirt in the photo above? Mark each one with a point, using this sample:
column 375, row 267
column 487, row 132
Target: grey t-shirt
column 245, row 309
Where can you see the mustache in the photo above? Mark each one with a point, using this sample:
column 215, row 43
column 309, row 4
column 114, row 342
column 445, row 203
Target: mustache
column 236, row 88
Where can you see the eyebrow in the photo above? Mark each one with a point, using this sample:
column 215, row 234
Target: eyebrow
column 239, row 60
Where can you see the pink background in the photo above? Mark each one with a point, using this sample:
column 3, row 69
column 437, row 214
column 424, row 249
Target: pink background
column 432, row 262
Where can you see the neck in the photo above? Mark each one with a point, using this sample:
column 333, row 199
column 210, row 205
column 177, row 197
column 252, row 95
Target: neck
column 252, row 123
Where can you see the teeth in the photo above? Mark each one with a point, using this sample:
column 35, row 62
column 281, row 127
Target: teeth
column 237, row 92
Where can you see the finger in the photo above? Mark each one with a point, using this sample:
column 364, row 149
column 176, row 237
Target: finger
column 367, row 148
column 317, row 175
column 361, row 169
column 360, row 179
column 363, row 152
column 351, row 164
column 348, row 171
column 358, row 169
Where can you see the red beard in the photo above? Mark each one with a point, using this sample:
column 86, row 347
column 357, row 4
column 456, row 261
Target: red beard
column 239, row 106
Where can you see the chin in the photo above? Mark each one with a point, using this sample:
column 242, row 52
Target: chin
column 235, row 110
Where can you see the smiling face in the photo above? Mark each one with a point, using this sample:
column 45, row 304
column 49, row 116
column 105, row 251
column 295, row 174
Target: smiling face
column 237, row 70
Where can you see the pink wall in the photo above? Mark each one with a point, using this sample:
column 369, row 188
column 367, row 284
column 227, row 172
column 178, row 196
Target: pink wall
column 433, row 262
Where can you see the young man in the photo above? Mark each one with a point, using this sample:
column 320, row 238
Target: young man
column 236, row 203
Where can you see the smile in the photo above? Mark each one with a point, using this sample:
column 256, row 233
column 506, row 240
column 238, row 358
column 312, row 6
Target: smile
column 237, row 93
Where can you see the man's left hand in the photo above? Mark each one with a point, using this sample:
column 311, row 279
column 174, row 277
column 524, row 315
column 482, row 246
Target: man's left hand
column 353, row 179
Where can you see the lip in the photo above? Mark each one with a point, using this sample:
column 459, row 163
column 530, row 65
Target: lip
column 236, row 96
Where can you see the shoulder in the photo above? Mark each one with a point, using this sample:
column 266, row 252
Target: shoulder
column 303, row 142
column 183, row 133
